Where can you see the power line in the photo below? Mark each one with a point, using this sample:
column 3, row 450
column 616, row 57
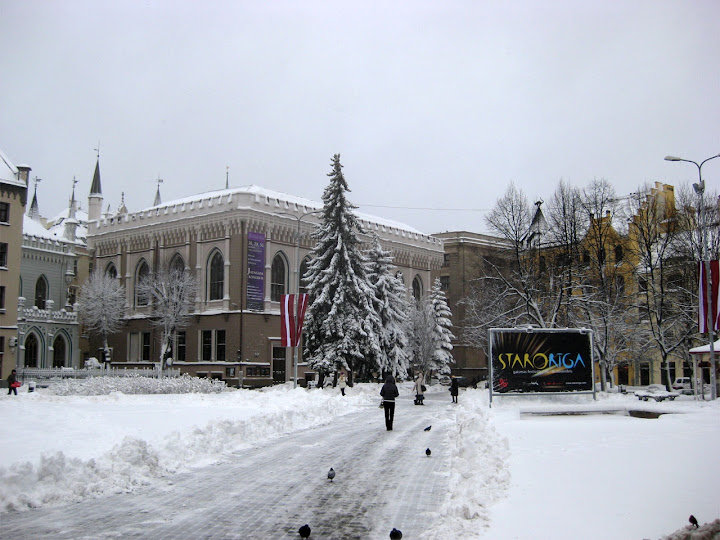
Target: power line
column 425, row 208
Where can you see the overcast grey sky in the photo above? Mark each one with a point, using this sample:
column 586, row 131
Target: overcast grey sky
column 431, row 104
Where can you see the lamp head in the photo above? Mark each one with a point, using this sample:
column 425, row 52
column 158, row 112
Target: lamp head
column 672, row 158
column 699, row 188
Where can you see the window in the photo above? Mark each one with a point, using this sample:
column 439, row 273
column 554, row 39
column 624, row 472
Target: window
column 3, row 254
column 181, row 346
column 618, row 254
column 212, row 341
column 257, row 371
column 2, row 298
column 217, row 277
column 417, row 288
column 59, row 352
column 220, row 345
column 142, row 274
column 31, row 351
column 110, row 271
column 4, row 212
column 2, row 349
column 278, row 277
column 446, row 259
column 444, row 283
column 206, row 345
column 139, row 346
column 41, row 291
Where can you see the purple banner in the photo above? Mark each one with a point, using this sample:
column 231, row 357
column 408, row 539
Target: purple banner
column 256, row 271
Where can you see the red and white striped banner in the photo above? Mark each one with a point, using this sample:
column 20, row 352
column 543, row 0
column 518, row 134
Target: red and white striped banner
column 714, row 295
column 292, row 315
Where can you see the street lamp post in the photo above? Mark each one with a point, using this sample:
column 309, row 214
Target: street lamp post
column 298, row 218
column 704, row 257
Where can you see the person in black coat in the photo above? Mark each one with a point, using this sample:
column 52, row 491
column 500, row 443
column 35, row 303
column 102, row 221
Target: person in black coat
column 389, row 392
column 454, row 389
column 12, row 379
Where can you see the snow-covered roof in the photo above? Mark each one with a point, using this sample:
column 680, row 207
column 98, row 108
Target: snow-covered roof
column 271, row 194
column 9, row 172
column 55, row 232
column 705, row 348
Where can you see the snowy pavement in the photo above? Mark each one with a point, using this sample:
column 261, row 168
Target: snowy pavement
column 384, row 480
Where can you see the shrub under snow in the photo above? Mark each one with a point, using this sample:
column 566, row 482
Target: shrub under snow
column 136, row 384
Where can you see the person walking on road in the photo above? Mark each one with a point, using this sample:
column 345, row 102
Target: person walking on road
column 12, row 383
column 342, row 382
column 419, row 389
column 389, row 392
column 454, row 389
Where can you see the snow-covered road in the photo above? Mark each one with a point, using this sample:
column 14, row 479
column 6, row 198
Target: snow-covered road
column 384, row 480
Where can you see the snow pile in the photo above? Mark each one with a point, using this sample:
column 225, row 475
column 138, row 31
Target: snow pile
column 479, row 473
column 135, row 384
column 709, row 531
column 243, row 418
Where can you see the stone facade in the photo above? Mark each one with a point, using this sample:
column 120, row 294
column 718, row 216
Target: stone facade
column 235, row 333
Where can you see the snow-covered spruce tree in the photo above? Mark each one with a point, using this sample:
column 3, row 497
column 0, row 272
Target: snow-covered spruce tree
column 101, row 305
column 440, row 332
column 391, row 307
column 341, row 321
column 171, row 293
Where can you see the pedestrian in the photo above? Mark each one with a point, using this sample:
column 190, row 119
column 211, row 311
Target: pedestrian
column 419, row 389
column 454, row 389
column 389, row 392
column 342, row 382
column 12, row 382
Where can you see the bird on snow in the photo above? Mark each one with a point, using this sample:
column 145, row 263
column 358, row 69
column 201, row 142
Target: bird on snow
column 427, row 452
column 331, row 474
column 395, row 534
column 693, row 521
column 427, row 428
column 304, row 531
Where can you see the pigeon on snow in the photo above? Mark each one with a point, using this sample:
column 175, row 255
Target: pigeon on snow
column 693, row 521
column 427, row 428
column 427, row 452
column 331, row 474
column 304, row 531
column 395, row 534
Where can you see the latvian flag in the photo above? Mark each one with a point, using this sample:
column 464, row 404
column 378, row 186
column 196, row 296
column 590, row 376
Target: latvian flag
column 714, row 295
column 292, row 315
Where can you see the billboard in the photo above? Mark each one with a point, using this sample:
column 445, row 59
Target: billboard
column 540, row 360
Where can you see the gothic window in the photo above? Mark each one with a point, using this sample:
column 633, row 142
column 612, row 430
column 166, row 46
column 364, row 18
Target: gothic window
column 110, row 271
column 417, row 288
column 41, row 292
column 278, row 278
column 141, row 274
column 59, row 352
column 177, row 264
column 31, row 351
column 216, row 273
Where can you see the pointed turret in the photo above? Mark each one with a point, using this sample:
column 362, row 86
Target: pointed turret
column 95, row 199
column 158, row 200
column 34, row 210
column 71, row 223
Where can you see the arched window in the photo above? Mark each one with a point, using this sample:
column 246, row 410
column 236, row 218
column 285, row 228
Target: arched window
column 59, row 352
column 620, row 285
column 417, row 288
column 31, row 351
column 278, row 278
column 618, row 253
column 543, row 264
column 111, row 271
column 177, row 264
column 141, row 274
column 303, row 273
column 216, row 276
column 586, row 257
column 41, row 292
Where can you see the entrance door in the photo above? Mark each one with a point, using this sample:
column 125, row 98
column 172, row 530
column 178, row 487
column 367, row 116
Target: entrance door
column 278, row 365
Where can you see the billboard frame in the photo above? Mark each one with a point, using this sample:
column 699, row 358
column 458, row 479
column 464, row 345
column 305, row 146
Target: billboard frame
column 537, row 330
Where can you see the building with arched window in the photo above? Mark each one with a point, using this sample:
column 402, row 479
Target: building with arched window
column 241, row 246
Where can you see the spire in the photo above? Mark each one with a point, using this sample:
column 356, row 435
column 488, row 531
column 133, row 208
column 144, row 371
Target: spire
column 34, row 210
column 123, row 209
column 158, row 200
column 71, row 223
column 96, row 188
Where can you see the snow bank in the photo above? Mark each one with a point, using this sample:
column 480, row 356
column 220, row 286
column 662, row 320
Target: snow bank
column 135, row 384
column 233, row 420
column 479, row 473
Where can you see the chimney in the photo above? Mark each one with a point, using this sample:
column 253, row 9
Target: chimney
column 24, row 173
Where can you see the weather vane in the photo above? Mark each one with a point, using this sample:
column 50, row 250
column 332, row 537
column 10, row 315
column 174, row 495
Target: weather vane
column 97, row 149
column 159, row 180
